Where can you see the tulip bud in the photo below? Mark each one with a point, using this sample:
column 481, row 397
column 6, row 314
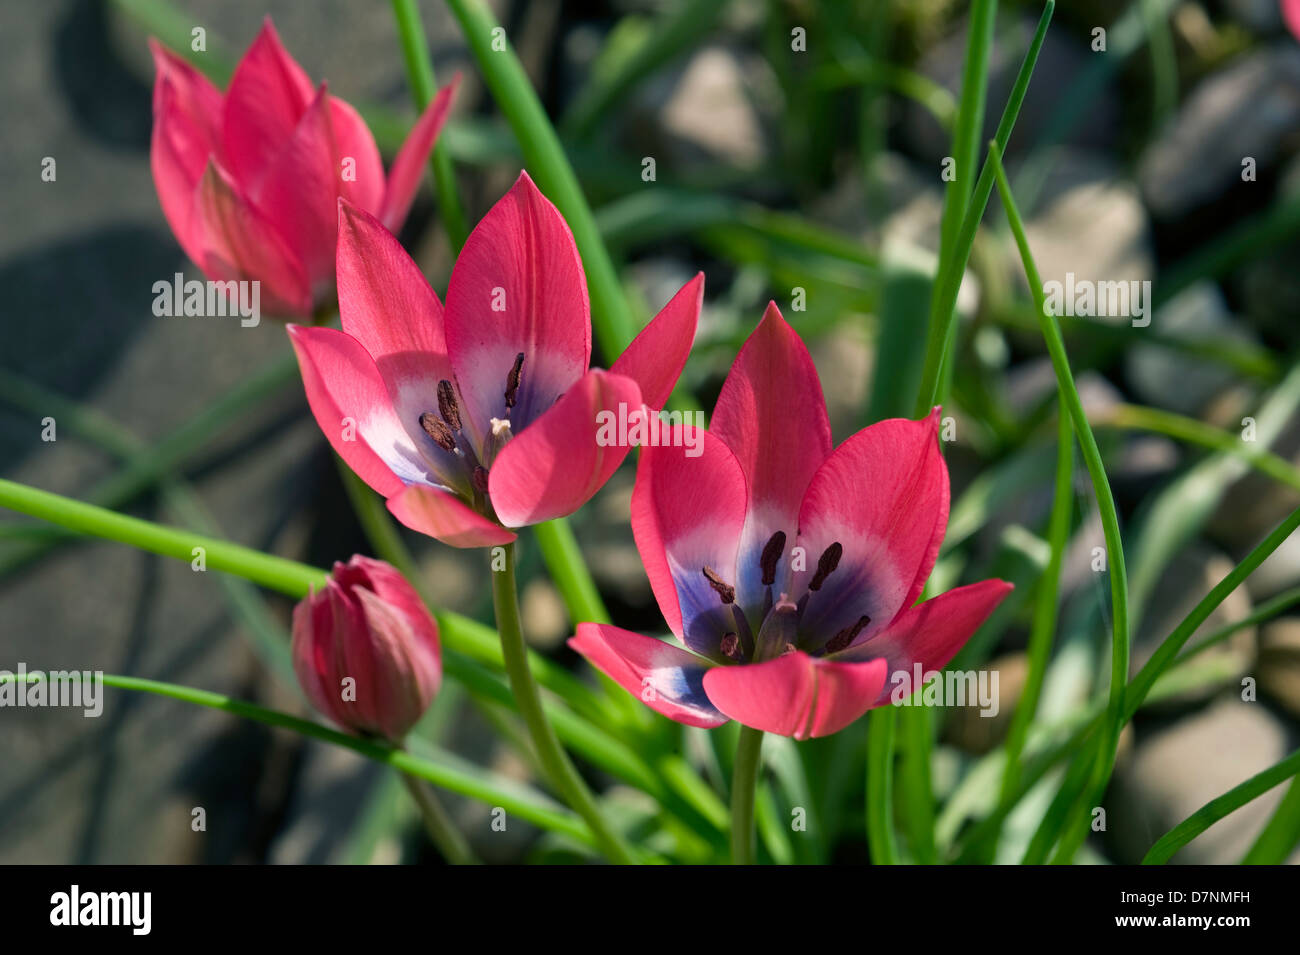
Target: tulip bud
column 365, row 649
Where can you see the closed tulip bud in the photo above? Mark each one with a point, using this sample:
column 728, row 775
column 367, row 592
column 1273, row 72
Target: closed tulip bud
column 365, row 649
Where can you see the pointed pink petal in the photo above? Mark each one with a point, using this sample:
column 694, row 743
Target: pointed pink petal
column 662, row 675
column 267, row 96
column 930, row 633
column 300, row 194
column 880, row 495
column 434, row 511
column 351, row 405
column 687, row 513
column 518, row 287
column 239, row 242
column 362, row 182
column 771, row 413
column 656, row 357
column 409, row 165
column 188, row 105
column 558, row 462
column 387, row 305
column 795, row 694
column 173, row 146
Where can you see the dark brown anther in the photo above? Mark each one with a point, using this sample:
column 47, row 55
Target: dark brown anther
column 512, row 380
column 730, row 646
column 721, row 588
column 847, row 635
column 440, row 433
column 788, row 648
column 481, row 479
column 772, row 552
column 826, row 564
column 447, row 406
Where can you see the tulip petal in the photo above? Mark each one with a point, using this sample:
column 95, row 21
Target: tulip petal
column 930, row 633
column 351, row 405
column 197, row 101
column 657, row 355
column 267, row 96
column 237, row 242
column 558, row 462
column 688, row 508
column 795, row 694
column 362, row 180
column 887, row 535
column 387, row 305
column 517, row 288
column 440, row 514
column 665, row 677
column 772, row 415
column 409, row 164
column 299, row 194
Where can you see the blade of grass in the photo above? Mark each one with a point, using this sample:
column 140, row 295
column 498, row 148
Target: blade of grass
column 1120, row 636
column 1182, row 428
column 1216, row 809
column 545, row 158
column 419, row 72
column 445, row 771
column 1281, row 834
column 1046, row 605
column 684, row 26
column 943, row 305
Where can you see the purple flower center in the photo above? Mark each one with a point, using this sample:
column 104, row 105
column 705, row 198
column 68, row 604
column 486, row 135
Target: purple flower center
column 780, row 617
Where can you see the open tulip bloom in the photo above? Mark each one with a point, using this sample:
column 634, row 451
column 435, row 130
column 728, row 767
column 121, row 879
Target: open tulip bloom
column 484, row 416
column 249, row 179
column 789, row 570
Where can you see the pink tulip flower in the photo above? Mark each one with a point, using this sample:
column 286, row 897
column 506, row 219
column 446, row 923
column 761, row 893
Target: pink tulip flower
column 790, row 571
column 365, row 649
column 481, row 417
column 249, row 181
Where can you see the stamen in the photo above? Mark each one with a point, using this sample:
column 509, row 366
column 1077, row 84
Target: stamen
column 512, row 380
column 826, row 564
column 847, row 635
column 730, row 646
column 723, row 589
column 447, row 406
column 788, row 648
column 772, row 552
column 438, row 431
column 481, row 479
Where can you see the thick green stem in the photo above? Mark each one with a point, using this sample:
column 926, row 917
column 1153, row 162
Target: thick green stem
column 561, row 772
column 881, row 726
column 744, row 781
column 438, row 823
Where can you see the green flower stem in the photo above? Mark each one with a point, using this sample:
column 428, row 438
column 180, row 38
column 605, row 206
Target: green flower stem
column 450, row 841
column 744, row 780
column 546, row 161
column 559, row 769
column 419, row 72
column 445, row 772
column 1120, row 636
column 881, row 726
